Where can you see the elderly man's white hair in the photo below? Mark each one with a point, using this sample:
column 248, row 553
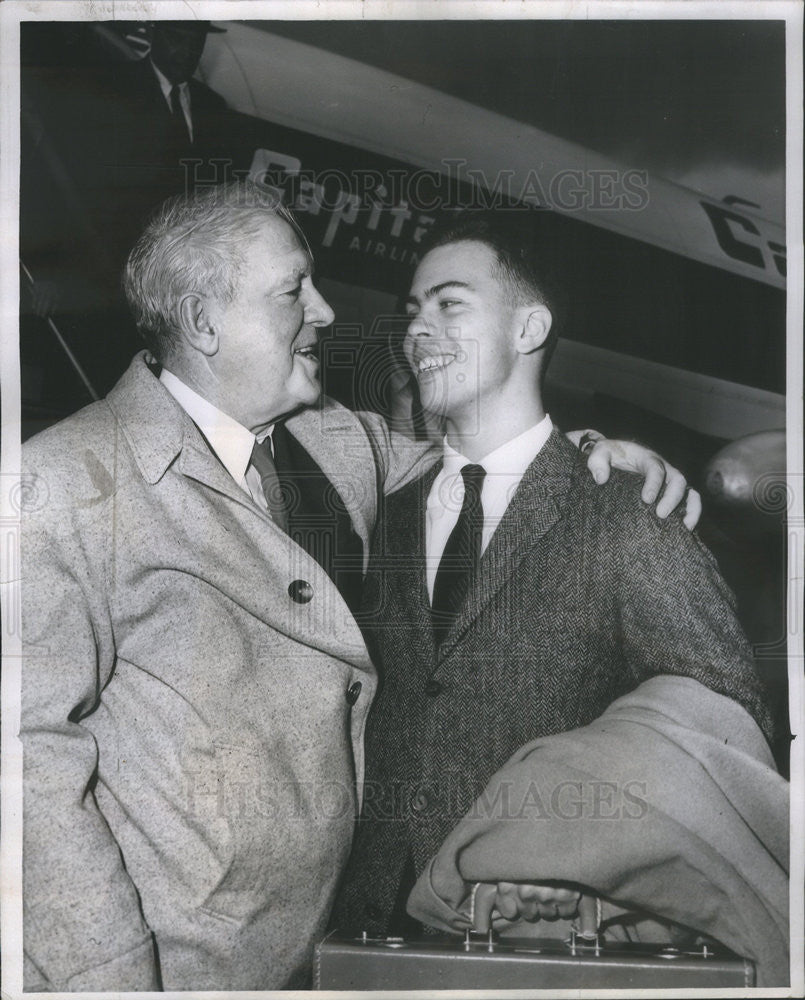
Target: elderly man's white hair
column 195, row 243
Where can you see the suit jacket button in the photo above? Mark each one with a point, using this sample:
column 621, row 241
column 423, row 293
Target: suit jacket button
column 373, row 912
column 354, row 693
column 433, row 688
column 300, row 591
column 419, row 801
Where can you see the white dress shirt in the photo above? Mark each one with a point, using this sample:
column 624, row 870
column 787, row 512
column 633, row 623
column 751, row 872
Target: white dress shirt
column 184, row 98
column 505, row 467
column 231, row 442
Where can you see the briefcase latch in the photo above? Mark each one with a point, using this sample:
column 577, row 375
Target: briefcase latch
column 585, row 934
column 473, row 937
column 579, row 941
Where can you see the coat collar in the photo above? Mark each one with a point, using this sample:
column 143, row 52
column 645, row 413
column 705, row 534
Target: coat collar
column 160, row 433
column 152, row 422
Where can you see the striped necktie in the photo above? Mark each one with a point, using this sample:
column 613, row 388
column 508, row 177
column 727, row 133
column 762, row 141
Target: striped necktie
column 263, row 460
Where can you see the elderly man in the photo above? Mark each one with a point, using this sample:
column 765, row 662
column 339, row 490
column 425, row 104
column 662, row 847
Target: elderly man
column 507, row 601
column 195, row 687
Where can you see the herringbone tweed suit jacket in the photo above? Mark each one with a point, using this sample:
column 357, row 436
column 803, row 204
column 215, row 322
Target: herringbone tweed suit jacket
column 583, row 593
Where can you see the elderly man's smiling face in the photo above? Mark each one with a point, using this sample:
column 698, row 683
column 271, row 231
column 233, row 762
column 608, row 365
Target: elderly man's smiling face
column 267, row 363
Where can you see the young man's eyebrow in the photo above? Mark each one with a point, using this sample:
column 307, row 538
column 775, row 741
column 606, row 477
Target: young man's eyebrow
column 435, row 289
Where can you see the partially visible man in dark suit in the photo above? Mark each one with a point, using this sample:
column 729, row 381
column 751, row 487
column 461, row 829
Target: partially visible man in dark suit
column 506, row 599
column 103, row 144
column 176, row 48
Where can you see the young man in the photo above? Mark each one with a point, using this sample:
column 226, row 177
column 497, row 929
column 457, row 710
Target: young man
column 507, row 599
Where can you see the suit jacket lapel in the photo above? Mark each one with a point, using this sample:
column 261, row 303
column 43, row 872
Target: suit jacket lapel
column 534, row 509
column 411, row 586
column 336, row 442
column 396, row 596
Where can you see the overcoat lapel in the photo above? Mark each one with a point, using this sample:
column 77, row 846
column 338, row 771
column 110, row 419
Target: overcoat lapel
column 161, row 435
column 341, row 631
column 159, row 432
column 534, row 509
column 198, row 462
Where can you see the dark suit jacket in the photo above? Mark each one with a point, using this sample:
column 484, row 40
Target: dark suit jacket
column 583, row 594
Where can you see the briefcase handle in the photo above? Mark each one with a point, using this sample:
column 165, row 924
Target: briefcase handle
column 483, row 902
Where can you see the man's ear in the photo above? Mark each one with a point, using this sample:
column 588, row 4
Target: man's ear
column 195, row 325
column 534, row 327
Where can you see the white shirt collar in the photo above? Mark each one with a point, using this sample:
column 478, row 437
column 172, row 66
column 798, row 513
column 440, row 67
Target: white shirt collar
column 230, row 440
column 511, row 459
column 164, row 83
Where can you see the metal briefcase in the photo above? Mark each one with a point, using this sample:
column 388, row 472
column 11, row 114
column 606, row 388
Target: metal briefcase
column 526, row 963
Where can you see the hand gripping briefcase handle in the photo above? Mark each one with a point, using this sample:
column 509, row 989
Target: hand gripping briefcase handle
column 584, row 933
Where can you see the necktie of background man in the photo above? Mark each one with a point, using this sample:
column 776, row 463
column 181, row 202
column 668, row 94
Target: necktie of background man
column 179, row 120
column 462, row 554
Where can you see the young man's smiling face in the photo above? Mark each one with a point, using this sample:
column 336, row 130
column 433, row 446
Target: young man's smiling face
column 460, row 341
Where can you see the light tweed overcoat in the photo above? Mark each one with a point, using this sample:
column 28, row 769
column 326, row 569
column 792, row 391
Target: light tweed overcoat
column 191, row 748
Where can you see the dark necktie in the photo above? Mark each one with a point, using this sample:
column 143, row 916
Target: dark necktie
column 462, row 553
column 179, row 121
column 263, row 460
